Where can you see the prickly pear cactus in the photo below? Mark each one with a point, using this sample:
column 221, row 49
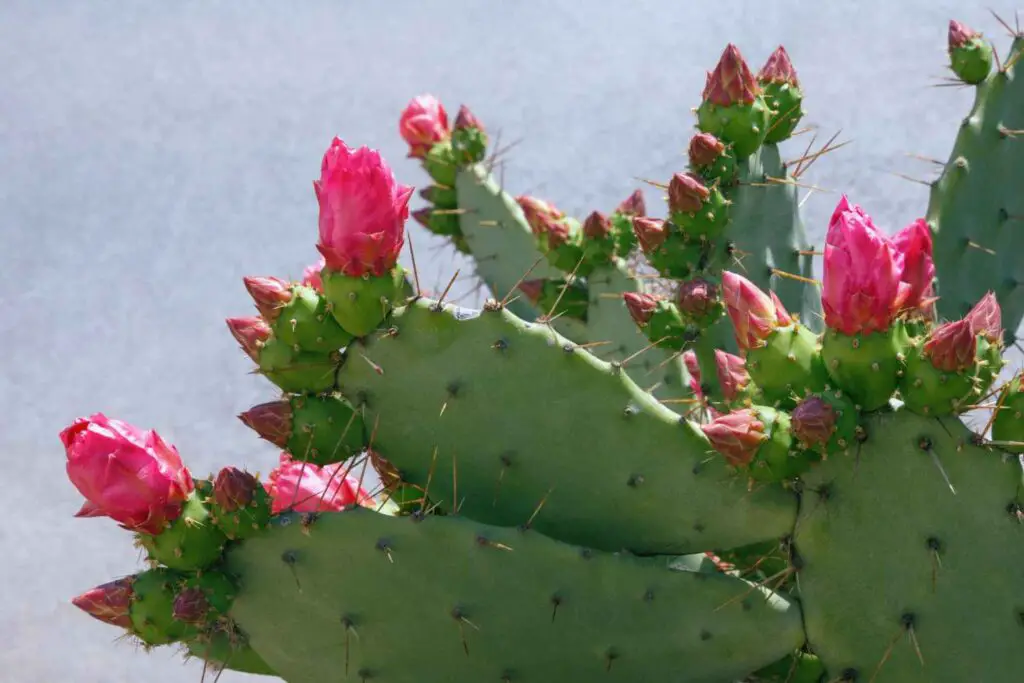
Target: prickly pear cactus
column 816, row 511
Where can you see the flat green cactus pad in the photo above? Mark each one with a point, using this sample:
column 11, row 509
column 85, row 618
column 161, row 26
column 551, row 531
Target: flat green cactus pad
column 361, row 596
column 951, row 609
column 516, row 424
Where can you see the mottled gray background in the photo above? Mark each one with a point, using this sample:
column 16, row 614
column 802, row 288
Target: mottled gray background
column 153, row 153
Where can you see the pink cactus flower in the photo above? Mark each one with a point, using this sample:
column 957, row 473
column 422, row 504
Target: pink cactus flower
column 311, row 275
column 128, row 474
column 736, row 435
column 862, row 290
column 423, row 124
column 110, row 602
column 754, row 314
column 952, row 347
column 778, row 69
column 362, row 211
column 641, row 306
column 304, row 487
column 913, row 246
column 987, row 319
column 633, row 205
column 270, row 294
column 250, row 333
column 731, row 82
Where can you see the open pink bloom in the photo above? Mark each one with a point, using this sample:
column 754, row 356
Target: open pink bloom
column 304, row 487
column 362, row 211
column 731, row 82
column 128, row 474
column 952, row 347
column 311, row 275
column 110, row 602
column 736, row 435
column 270, row 294
column 754, row 314
column 423, row 124
column 914, row 259
column 987, row 318
column 862, row 290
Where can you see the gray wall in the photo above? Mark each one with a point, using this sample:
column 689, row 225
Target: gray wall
column 153, row 153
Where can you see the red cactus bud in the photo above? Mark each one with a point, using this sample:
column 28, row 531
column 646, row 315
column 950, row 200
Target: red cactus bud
column 633, row 205
column 650, row 232
column 641, row 306
column 731, row 82
column 952, row 347
column 960, row 35
column 986, row 318
column 270, row 294
column 109, row 602
column 272, row 421
column 732, row 374
column 697, row 297
column 778, row 69
column 813, row 421
column 233, row 489
column 736, row 435
column 705, row 148
column 539, row 214
column 465, row 119
column 533, row 289
column 191, row 606
column 597, row 226
column 686, row 193
column 558, row 234
column 754, row 314
column 422, row 216
column 250, row 333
